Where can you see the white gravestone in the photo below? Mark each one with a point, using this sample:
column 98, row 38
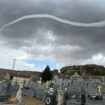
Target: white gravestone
column 99, row 89
column 19, row 94
column 60, row 97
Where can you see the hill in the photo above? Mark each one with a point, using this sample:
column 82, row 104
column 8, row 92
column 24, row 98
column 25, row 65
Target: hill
column 91, row 69
column 16, row 73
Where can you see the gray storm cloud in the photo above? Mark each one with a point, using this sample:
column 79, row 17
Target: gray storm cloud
column 72, row 23
column 95, row 24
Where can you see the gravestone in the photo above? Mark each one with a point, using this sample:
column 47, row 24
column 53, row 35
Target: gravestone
column 60, row 97
column 19, row 95
column 5, row 89
column 51, row 98
column 99, row 90
column 73, row 94
column 9, row 89
column 83, row 96
column 65, row 97
column 34, row 89
column 89, row 87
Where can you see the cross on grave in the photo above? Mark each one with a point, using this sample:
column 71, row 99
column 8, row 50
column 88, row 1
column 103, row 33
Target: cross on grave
column 99, row 89
column 19, row 95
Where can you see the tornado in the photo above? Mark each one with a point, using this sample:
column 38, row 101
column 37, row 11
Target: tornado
column 58, row 19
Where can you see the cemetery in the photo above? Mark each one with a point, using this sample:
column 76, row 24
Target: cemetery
column 52, row 52
column 74, row 90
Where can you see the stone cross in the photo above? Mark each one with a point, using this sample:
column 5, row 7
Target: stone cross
column 19, row 95
column 47, row 84
column 60, row 97
column 40, row 82
column 99, row 89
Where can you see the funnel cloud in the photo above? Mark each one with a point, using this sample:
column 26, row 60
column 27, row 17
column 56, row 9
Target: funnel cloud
column 95, row 24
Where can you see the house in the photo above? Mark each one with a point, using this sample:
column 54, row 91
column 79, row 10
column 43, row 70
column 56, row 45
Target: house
column 19, row 76
column 24, row 76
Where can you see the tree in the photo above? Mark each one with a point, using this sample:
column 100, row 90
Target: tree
column 33, row 79
column 46, row 75
column 55, row 72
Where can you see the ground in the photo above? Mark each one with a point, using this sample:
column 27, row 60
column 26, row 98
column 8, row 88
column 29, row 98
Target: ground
column 26, row 100
column 31, row 101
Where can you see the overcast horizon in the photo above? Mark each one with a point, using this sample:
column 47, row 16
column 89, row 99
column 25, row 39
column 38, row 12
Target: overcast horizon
column 55, row 33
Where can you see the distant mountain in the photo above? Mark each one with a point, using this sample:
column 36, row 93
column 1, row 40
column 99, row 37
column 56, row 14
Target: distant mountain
column 91, row 69
column 16, row 73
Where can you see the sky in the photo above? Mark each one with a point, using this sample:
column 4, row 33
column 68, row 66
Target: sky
column 51, row 32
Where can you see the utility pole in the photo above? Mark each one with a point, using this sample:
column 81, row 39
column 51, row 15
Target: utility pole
column 14, row 61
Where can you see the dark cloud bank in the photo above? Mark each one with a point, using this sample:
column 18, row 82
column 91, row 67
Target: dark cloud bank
column 50, row 39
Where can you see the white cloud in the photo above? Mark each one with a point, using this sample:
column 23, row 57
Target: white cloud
column 47, row 39
column 96, row 59
column 22, row 65
column 7, row 55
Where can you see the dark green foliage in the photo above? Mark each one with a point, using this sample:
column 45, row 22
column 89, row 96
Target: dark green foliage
column 55, row 72
column 33, row 79
column 11, row 78
column 46, row 75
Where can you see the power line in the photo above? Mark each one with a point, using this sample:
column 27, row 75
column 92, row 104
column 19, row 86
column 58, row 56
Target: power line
column 14, row 61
